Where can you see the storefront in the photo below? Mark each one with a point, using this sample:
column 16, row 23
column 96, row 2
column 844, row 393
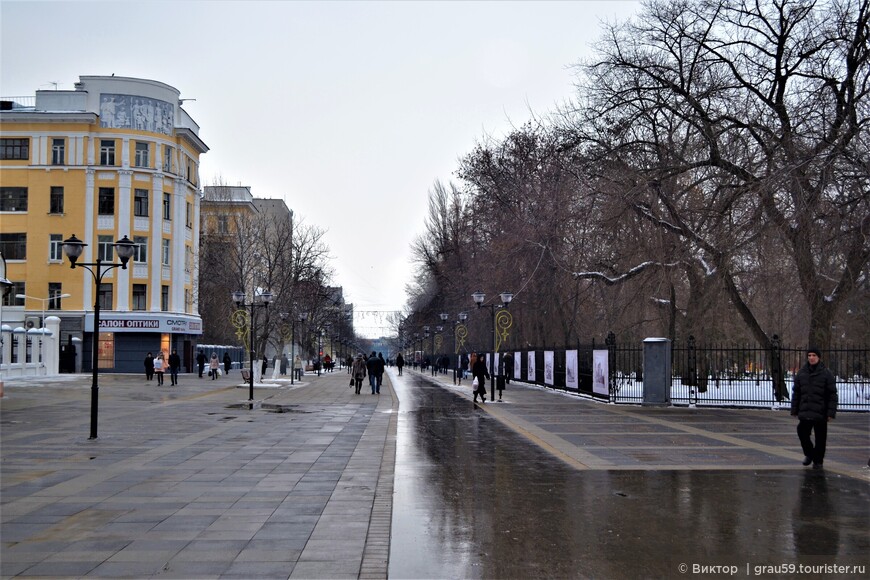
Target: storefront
column 125, row 339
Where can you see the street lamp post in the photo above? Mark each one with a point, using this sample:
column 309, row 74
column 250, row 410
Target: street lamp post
column 436, row 341
column 43, row 301
column 460, row 332
column 41, row 333
column 301, row 318
column 73, row 248
column 423, row 344
column 506, row 298
column 265, row 298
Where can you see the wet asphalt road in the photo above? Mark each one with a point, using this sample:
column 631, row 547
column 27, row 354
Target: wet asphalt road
column 473, row 499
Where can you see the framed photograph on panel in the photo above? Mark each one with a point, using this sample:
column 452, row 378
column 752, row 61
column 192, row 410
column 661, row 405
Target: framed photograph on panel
column 600, row 372
column 548, row 367
column 571, row 381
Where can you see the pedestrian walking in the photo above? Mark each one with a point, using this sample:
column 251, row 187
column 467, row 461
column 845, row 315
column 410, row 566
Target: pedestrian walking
column 174, row 367
column 814, row 403
column 372, row 366
column 149, row 366
column 228, row 363
column 400, row 363
column 159, row 367
column 382, row 365
column 508, row 367
column 359, row 372
column 200, row 362
column 481, row 374
column 214, row 366
column 297, row 367
column 264, row 367
column 284, row 363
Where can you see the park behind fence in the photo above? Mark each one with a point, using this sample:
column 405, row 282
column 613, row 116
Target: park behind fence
column 702, row 375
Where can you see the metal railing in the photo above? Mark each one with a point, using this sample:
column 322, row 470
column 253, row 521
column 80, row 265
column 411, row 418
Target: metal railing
column 702, row 375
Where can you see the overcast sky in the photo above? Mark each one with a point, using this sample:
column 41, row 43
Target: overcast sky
column 349, row 111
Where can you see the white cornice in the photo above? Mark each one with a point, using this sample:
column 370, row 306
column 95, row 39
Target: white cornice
column 48, row 117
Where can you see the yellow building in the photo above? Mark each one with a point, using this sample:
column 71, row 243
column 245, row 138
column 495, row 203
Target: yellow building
column 116, row 156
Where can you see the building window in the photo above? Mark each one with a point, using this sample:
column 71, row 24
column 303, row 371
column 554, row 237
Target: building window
column 166, row 206
column 165, row 253
column 140, row 252
column 164, row 298
column 140, row 203
column 58, row 151
column 223, row 224
column 105, row 248
column 188, row 259
column 167, row 158
column 141, row 158
column 55, row 289
column 56, row 199
column 105, row 296
column 106, row 201
column 189, row 215
column 15, row 149
column 9, row 298
column 13, row 199
column 140, row 293
column 14, row 246
column 188, row 300
column 107, row 151
column 55, row 247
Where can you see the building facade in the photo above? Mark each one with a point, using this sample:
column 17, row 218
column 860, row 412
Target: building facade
column 115, row 156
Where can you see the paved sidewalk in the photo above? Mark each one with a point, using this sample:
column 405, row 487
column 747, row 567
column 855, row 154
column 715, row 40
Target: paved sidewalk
column 593, row 435
column 187, row 482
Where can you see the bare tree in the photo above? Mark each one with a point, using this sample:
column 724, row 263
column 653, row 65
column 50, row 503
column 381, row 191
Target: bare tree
column 740, row 115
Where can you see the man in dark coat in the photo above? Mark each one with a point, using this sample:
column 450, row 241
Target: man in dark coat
column 174, row 367
column 814, row 403
column 372, row 365
column 382, row 365
column 200, row 362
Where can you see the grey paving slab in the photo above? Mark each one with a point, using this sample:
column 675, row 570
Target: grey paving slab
column 186, row 488
column 179, row 485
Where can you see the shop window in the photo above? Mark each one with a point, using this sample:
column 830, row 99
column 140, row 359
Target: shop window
column 106, row 350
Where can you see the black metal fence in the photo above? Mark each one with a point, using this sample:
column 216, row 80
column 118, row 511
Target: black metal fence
column 702, row 375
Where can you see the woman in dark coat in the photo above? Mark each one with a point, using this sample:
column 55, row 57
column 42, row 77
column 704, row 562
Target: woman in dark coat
column 228, row 363
column 149, row 366
column 479, row 372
